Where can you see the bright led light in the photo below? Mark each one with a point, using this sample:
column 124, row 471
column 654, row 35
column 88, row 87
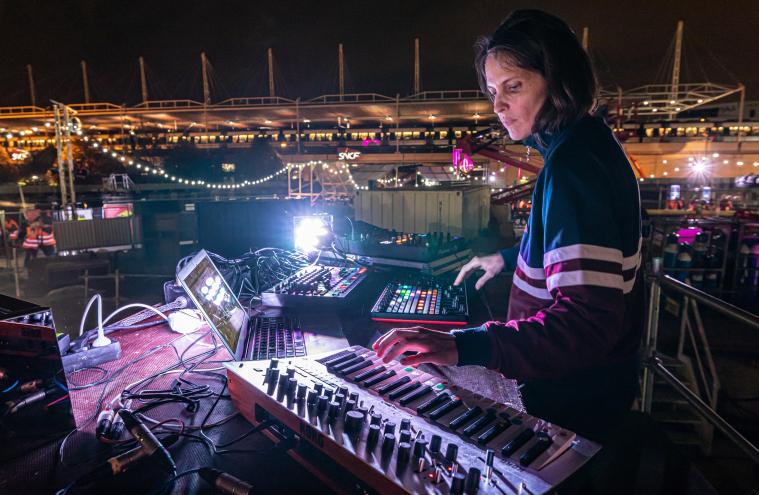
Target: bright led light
column 310, row 232
column 699, row 168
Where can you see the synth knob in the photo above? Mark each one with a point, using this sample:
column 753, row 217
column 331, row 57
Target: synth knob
column 404, row 454
column 301, row 392
column 420, row 447
column 340, row 399
column 350, row 405
column 343, row 391
column 333, row 411
column 472, row 483
column 282, row 386
column 290, row 371
column 376, row 419
column 318, row 387
column 457, row 483
column 292, row 385
column 451, row 452
column 328, row 393
column 312, row 397
column 274, row 363
column 273, row 378
column 321, row 403
column 388, row 444
column 405, row 424
column 353, row 396
column 389, row 427
column 373, row 437
column 489, row 458
column 436, row 443
column 354, row 420
column 405, row 436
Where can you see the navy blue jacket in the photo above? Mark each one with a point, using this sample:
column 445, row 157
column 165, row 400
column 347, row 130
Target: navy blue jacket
column 577, row 297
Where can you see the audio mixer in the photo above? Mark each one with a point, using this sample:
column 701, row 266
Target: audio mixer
column 401, row 430
column 375, row 242
column 421, row 299
column 315, row 284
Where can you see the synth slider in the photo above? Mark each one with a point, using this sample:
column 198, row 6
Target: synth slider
column 315, row 284
column 421, row 299
column 400, row 430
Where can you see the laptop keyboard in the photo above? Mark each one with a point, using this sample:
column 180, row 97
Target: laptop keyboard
column 275, row 337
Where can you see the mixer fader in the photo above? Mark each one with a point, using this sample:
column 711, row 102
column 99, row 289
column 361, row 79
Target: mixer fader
column 399, row 429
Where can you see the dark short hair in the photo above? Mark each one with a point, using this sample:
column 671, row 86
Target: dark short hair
column 541, row 42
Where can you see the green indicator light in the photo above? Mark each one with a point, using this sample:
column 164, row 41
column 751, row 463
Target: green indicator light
column 439, row 386
column 408, row 368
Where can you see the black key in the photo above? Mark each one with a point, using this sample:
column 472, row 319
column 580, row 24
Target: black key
column 377, row 379
column 356, row 367
column 404, row 390
column 492, row 432
column 368, row 374
column 464, row 418
column 346, row 364
column 432, row 403
column 519, row 440
column 392, row 386
column 416, row 394
column 544, row 441
column 445, row 409
column 479, row 424
column 340, row 359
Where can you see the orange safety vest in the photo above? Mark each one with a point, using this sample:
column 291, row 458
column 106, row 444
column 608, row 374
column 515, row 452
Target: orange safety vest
column 32, row 239
column 47, row 238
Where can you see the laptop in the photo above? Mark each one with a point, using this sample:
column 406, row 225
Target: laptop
column 249, row 338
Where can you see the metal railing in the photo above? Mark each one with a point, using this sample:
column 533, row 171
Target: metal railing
column 653, row 365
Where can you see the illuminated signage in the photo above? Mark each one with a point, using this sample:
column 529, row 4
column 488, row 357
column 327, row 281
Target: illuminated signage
column 348, row 155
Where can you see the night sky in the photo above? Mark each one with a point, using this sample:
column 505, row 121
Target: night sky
column 628, row 40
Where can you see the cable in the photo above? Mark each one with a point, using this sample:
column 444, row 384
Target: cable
column 94, row 298
column 14, row 385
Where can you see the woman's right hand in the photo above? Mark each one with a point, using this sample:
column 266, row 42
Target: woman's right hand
column 492, row 265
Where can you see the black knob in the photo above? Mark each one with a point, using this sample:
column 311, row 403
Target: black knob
column 290, row 371
column 389, row 427
column 353, row 396
column 274, row 363
column 318, row 387
column 273, row 376
column 292, row 384
column 312, row 396
column 340, row 399
column 328, row 393
column 343, row 391
column 420, row 446
column 451, row 452
column 405, row 424
column 388, row 444
column 376, row 419
column 372, row 437
column 333, row 411
column 354, row 420
column 321, row 403
column 472, row 483
column 436, row 443
column 364, row 411
column 457, row 483
column 301, row 392
column 405, row 436
column 404, row 454
column 282, row 386
column 350, row 405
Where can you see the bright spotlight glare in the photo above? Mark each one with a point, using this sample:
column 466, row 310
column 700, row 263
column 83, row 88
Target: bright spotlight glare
column 310, row 232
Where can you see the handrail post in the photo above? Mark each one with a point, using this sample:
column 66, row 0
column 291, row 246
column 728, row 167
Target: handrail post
column 652, row 334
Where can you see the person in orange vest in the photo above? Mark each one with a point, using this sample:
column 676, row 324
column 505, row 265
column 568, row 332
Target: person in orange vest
column 32, row 242
column 47, row 239
column 11, row 227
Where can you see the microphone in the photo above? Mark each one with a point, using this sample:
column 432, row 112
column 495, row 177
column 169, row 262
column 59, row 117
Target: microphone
column 225, row 483
column 121, row 463
column 153, row 447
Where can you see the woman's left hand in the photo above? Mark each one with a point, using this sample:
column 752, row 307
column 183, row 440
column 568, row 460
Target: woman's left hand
column 432, row 346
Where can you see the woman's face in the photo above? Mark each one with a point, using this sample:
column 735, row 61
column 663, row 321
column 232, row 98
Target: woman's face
column 518, row 94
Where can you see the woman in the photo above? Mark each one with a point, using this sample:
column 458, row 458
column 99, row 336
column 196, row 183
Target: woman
column 575, row 309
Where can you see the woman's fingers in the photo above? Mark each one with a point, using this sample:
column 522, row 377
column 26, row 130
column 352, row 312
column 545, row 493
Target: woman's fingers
column 442, row 358
column 392, row 337
column 466, row 270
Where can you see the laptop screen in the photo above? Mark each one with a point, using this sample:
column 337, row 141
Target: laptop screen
column 213, row 297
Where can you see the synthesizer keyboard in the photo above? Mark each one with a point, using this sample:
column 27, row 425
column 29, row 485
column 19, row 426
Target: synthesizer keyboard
column 399, row 430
